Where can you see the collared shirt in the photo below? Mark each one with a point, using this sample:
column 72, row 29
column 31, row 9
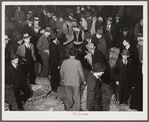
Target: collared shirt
column 27, row 45
column 14, row 66
column 124, row 61
column 127, row 47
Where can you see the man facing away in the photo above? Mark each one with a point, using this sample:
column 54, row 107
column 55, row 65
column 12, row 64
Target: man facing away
column 72, row 73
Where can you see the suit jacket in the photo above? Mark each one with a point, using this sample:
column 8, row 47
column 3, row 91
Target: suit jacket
column 97, row 25
column 138, row 29
column 54, row 55
column 19, row 16
column 72, row 72
column 113, row 30
column 42, row 45
column 93, row 93
column 120, row 69
column 14, row 76
column 65, row 30
column 21, row 51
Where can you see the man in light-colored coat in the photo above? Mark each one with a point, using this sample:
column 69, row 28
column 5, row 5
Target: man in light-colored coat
column 72, row 74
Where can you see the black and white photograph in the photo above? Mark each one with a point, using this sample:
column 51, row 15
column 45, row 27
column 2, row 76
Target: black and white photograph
column 74, row 60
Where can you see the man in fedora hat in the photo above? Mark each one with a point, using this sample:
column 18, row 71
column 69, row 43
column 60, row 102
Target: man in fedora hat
column 43, row 50
column 27, row 55
column 97, row 56
column 72, row 74
column 36, row 21
column 94, row 83
column 78, row 35
column 19, row 18
column 100, row 41
column 54, row 61
column 110, row 32
column 123, row 73
column 15, row 78
column 28, row 26
column 12, row 48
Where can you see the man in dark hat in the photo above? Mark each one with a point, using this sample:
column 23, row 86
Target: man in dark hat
column 17, row 81
column 12, row 48
column 94, row 83
column 53, row 21
column 43, row 50
column 60, row 22
column 100, row 41
column 28, row 27
column 138, row 28
column 72, row 74
column 89, row 20
column 54, row 61
column 110, row 32
column 27, row 55
column 123, row 74
column 19, row 18
column 95, row 24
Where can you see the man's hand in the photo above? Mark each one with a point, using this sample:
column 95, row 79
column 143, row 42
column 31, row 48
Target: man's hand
column 47, row 51
column 117, row 83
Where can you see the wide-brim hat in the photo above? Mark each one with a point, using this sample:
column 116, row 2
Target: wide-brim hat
column 125, row 52
column 6, row 37
column 125, row 29
column 36, row 26
column 36, row 19
column 99, row 32
column 88, row 13
column 77, row 43
column 26, row 36
column 87, row 35
column 53, row 36
column 13, row 56
column 90, row 46
column 18, row 37
column 109, row 19
column 48, row 29
column 98, row 67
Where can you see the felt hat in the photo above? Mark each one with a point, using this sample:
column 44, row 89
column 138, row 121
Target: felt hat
column 98, row 67
column 6, row 37
column 125, row 29
column 36, row 18
column 18, row 37
column 109, row 19
column 90, row 46
column 53, row 36
column 48, row 29
column 61, row 15
column 71, row 14
column 125, row 52
column 26, row 36
column 67, row 19
column 87, row 35
column 99, row 32
column 13, row 56
column 77, row 43
column 88, row 13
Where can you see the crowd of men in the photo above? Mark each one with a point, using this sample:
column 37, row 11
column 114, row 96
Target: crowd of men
column 68, row 45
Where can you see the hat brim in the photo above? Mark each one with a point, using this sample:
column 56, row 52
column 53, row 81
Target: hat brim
column 77, row 43
column 27, row 37
column 101, row 70
column 7, row 39
column 90, row 48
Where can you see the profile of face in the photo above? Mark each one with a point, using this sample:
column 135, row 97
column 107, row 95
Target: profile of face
column 70, row 17
column 48, row 15
column 125, row 33
column 27, row 40
column 98, row 36
column 19, row 8
column 109, row 22
column 124, row 57
column 15, row 61
column 99, row 74
column 61, row 19
column 125, row 43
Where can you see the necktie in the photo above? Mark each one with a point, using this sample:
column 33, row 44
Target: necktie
column 68, row 28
